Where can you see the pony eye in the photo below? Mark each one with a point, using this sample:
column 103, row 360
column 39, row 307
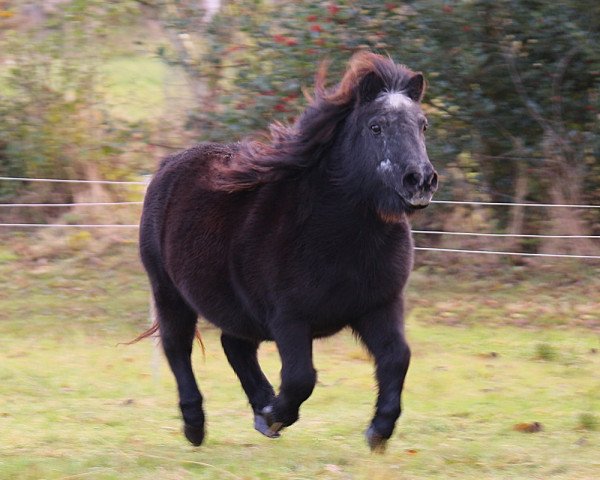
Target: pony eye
column 376, row 129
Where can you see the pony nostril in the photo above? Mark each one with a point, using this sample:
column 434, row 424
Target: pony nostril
column 412, row 179
column 432, row 181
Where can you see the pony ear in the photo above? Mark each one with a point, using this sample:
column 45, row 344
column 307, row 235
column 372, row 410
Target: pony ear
column 370, row 87
column 415, row 88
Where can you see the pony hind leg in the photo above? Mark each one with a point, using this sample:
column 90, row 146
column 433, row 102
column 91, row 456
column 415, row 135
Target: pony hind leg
column 177, row 324
column 242, row 356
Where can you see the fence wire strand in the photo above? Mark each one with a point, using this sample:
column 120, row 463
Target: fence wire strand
column 61, row 180
column 513, row 204
column 505, row 235
column 74, row 204
column 492, row 252
column 67, row 225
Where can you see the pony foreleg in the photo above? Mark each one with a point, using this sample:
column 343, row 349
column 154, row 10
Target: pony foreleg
column 298, row 376
column 242, row 357
column 382, row 333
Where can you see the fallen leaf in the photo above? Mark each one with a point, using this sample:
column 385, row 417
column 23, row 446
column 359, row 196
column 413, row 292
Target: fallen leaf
column 532, row 427
column 411, row 451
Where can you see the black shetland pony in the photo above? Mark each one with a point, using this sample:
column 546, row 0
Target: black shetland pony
column 294, row 239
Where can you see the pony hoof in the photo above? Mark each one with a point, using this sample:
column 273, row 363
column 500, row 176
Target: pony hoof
column 273, row 427
column 195, row 435
column 261, row 425
column 377, row 442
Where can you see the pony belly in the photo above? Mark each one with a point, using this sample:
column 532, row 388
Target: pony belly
column 221, row 308
column 327, row 331
column 235, row 322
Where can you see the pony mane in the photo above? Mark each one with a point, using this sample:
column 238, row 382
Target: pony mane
column 290, row 149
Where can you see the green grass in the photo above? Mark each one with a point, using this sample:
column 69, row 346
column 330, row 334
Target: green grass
column 75, row 404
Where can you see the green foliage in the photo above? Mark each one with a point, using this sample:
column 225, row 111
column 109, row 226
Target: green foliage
column 261, row 56
column 53, row 116
column 518, row 73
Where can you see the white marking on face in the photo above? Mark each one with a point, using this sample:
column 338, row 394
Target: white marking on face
column 385, row 166
column 397, row 100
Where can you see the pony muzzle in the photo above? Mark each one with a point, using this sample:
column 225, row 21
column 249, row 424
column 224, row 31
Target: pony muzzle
column 420, row 187
column 420, row 201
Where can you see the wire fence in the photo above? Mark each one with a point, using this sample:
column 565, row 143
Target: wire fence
column 62, row 180
column 491, row 252
column 146, row 182
column 419, row 232
column 74, row 204
column 510, row 235
column 68, row 225
column 513, row 204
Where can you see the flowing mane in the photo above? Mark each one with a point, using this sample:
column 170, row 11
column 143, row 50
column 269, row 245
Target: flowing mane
column 296, row 147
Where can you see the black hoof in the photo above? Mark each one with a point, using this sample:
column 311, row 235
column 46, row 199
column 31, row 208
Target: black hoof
column 376, row 441
column 195, row 435
column 273, row 427
column 262, row 426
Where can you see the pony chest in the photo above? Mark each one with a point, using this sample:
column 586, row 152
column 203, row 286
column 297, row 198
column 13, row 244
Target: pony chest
column 357, row 281
column 319, row 275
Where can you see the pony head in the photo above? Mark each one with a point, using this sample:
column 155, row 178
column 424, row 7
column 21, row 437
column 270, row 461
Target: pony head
column 379, row 151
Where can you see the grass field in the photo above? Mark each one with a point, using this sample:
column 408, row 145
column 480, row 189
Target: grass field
column 487, row 357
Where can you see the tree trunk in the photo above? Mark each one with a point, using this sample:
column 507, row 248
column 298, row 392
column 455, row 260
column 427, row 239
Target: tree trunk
column 92, row 192
column 565, row 174
column 517, row 213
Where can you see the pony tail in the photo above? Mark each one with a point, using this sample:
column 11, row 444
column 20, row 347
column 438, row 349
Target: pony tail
column 155, row 328
column 200, row 342
column 145, row 334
